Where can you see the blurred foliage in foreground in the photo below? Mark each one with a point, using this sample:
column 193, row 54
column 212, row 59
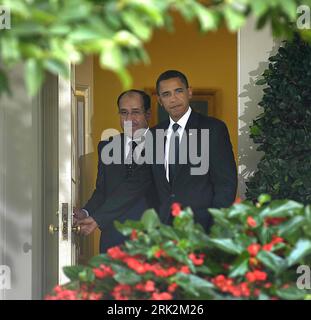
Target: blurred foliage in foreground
column 253, row 252
column 47, row 34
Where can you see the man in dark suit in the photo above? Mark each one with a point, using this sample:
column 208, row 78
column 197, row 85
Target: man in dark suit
column 134, row 109
column 176, row 181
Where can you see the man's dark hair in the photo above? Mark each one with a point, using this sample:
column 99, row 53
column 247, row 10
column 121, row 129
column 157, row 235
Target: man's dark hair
column 145, row 97
column 169, row 74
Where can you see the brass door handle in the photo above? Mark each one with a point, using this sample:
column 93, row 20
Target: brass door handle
column 76, row 229
column 52, row 229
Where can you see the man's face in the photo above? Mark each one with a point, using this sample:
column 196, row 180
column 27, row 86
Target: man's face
column 131, row 109
column 174, row 97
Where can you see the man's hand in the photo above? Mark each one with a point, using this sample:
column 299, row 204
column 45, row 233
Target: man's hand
column 78, row 214
column 88, row 225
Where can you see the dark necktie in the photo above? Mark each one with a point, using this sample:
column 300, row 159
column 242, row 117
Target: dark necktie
column 173, row 159
column 129, row 163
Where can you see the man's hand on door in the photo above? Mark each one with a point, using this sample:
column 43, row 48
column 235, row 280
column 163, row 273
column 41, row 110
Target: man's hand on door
column 88, row 225
column 78, row 214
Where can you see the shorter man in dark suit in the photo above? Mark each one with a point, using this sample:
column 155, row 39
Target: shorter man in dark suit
column 134, row 111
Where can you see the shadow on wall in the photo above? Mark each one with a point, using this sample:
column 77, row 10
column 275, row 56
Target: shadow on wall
column 17, row 161
column 251, row 96
column 15, row 246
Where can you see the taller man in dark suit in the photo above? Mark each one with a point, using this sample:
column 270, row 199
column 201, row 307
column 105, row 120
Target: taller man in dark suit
column 134, row 110
column 177, row 181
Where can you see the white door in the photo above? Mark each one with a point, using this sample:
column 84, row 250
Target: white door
column 67, row 172
column 59, row 119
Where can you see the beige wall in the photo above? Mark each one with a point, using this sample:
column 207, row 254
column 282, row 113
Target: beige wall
column 209, row 61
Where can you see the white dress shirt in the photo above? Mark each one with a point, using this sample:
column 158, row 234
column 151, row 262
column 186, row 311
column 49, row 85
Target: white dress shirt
column 140, row 144
column 182, row 124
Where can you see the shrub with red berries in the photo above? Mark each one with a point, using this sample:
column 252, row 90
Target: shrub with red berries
column 252, row 252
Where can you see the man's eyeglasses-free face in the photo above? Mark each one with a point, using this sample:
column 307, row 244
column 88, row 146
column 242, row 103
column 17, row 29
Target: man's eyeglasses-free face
column 168, row 94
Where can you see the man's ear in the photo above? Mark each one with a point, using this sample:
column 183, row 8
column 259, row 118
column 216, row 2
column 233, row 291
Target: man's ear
column 159, row 101
column 190, row 92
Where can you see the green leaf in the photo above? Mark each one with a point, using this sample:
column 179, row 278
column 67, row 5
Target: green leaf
column 168, row 232
column 255, row 130
column 261, row 82
column 208, row 19
column 308, row 213
column 204, row 269
column 31, row 50
column 178, row 253
column 20, row 8
column 137, row 24
column 72, row 272
column 240, row 266
column 234, row 19
column 281, row 208
column 153, row 10
column 193, row 284
column 10, row 49
column 150, row 220
column 290, row 8
column 4, row 83
column 127, row 227
column 57, row 67
column 259, row 7
column 85, row 33
column 74, row 12
column 60, row 30
column 42, row 16
column 291, row 293
column 125, row 275
column 86, row 275
column 271, row 261
column 226, row 245
column 111, row 57
column 300, row 250
column 96, row 261
column 125, row 78
column 123, row 228
column 219, row 217
column 239, row 210
column 126, row 38
column 264, row 198
column 265, row 234
column 34, row 76
column 291, row 226
column 29, row 28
